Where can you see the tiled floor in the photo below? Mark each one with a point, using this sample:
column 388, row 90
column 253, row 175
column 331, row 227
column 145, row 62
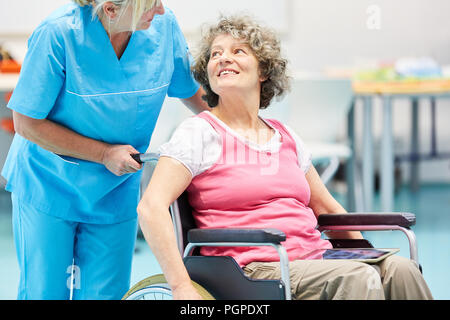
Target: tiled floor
column 431, row 206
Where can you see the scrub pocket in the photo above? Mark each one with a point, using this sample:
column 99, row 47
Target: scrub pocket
column 149, row 106
column 104, row 117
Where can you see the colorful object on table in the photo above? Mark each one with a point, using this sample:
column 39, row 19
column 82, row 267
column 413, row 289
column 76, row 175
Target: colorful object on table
column 10, row 66
column 404, row 69
column 7, row 63
column 7, row 125
column 406, row 75
column 424, row 67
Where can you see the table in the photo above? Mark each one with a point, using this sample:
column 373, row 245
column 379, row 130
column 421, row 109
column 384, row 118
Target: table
column 388, row 91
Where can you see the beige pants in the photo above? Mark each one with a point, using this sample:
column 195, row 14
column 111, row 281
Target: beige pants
column 393, row 278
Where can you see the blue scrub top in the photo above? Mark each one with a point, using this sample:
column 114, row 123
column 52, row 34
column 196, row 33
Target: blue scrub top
column 72, row 76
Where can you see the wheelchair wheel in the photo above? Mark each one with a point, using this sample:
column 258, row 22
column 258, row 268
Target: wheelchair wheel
column 157, row 288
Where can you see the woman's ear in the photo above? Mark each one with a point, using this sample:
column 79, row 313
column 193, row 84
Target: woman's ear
column 263, row 78
column 110, row 10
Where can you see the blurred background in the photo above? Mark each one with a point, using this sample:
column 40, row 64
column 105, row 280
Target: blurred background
column 344, row 57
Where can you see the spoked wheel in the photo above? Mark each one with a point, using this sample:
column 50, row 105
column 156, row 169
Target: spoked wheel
column 157, row 288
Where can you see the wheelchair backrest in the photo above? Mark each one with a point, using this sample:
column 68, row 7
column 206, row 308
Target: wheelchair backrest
column 183, row 220
column 232, row 284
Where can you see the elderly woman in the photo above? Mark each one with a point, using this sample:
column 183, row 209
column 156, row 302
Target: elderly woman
column 241, row 170
column 91, row 88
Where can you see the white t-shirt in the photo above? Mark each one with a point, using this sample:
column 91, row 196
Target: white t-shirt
column 198, row 146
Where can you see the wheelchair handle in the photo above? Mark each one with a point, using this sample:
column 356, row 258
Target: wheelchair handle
column 144, row 157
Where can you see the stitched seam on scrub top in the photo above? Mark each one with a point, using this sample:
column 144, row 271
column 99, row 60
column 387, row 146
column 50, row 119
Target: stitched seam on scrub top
column 116, row 93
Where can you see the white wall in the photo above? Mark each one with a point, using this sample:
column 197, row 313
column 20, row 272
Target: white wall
column 327, row 32
column 315, row 35
column 22, row 16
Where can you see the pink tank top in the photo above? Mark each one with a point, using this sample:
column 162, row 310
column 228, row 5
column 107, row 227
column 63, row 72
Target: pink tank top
column 247, row 188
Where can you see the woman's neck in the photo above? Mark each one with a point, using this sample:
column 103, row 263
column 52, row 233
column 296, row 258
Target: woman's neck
column 119, row 40
column 239, row 113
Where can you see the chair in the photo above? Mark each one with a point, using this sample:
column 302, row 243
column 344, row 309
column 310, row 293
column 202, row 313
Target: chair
column 318, row 111
column 233, row 284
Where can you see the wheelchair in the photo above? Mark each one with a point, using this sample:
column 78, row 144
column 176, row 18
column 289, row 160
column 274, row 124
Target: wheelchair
column 220, row 277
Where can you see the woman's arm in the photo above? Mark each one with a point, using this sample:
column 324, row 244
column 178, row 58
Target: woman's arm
column 170, row 178
column 195, row 103
column 63, row 141
column 322, row 202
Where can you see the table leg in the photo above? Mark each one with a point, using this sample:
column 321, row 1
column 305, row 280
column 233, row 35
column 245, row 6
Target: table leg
column 367, row 158
column 434, row 151
column 350, row 164
column 414, row 166
column 387, row 158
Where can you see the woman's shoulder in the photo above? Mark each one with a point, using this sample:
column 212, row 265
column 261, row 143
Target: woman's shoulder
column 195, row 125
column 194, row 143
column 165, row 20
column 194, row 131
column 64, row 18
column 56, row 27
column 287, row 129
column 278, row 125
column 168, row 13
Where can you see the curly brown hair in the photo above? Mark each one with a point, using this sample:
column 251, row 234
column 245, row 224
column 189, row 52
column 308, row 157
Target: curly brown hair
column 265, row 46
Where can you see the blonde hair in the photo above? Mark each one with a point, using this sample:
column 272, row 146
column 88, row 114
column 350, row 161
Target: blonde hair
column 82, row 2
column 140, row 6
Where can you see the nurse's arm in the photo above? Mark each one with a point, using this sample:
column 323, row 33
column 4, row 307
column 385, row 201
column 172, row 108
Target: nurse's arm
column 195, row 103
column 170, row 178
column 63, row 141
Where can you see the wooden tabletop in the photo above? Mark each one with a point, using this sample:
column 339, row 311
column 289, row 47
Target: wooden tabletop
column 432, row 86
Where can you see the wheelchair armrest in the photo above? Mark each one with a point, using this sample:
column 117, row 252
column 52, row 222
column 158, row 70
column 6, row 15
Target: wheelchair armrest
column 405, row 220
column 236, row 235
column 243, row 237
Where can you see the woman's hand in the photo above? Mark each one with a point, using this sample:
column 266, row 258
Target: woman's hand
column 118, row 160
column 186, row 292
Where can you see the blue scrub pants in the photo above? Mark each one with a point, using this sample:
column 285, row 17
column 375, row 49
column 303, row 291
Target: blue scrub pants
column 50, row 249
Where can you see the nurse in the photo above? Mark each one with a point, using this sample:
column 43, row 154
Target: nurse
column 89, row 94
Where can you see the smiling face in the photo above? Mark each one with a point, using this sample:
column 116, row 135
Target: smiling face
column 232, row 66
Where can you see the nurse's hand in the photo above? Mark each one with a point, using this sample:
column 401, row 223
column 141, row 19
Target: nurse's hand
column 117, row 159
